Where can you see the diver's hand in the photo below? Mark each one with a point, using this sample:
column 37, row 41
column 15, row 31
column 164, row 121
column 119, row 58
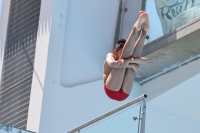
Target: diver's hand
column 123, row 63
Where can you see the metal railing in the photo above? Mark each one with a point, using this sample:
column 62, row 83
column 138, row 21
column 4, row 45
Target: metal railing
column 138, row 99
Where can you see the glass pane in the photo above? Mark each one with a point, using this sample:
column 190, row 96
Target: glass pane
column 9, row 129
column 121, row 122
column 168, row 15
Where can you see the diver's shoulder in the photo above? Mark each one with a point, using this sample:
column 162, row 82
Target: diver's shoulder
column 110, row 54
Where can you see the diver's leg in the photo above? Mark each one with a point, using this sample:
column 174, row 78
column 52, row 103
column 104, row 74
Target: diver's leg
column 137, row 52
column 115, row 79
column 138, row 47
column 129, row 75
column 129, row 45
column 129, row 80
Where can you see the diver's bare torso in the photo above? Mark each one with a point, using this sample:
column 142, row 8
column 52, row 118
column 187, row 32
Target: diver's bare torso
column 107, row 69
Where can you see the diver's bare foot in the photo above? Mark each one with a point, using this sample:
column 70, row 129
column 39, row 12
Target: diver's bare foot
column 146, row 23
column 135, row 67
column 140, row 12
column 143, row 60
column 140, row 21
column 139, row 60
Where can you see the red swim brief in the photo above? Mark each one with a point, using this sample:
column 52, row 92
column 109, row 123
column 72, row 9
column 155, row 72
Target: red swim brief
column 115, row 95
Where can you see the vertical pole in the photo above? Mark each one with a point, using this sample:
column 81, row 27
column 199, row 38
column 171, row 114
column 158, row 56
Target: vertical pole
column 142, row 127
column 79, row 131
column 117, row 29
column 143, row 6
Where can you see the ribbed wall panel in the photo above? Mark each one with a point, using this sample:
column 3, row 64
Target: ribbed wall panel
column 18, row 62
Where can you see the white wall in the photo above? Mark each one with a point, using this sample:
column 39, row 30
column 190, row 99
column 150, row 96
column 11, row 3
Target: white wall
column 4, row 14
column 56, row 108
column 176, row 110
column 160, row 122
column 173, row 100
column 39, row 71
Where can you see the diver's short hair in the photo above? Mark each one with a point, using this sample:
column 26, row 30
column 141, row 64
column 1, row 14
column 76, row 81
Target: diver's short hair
column 120, row 44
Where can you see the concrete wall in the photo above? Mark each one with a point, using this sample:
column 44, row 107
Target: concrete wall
column 165, row 82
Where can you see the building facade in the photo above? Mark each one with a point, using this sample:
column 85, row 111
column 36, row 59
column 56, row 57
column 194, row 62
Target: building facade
column 18, row 61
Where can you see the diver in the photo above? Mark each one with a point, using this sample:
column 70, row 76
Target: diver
column 122, row 65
